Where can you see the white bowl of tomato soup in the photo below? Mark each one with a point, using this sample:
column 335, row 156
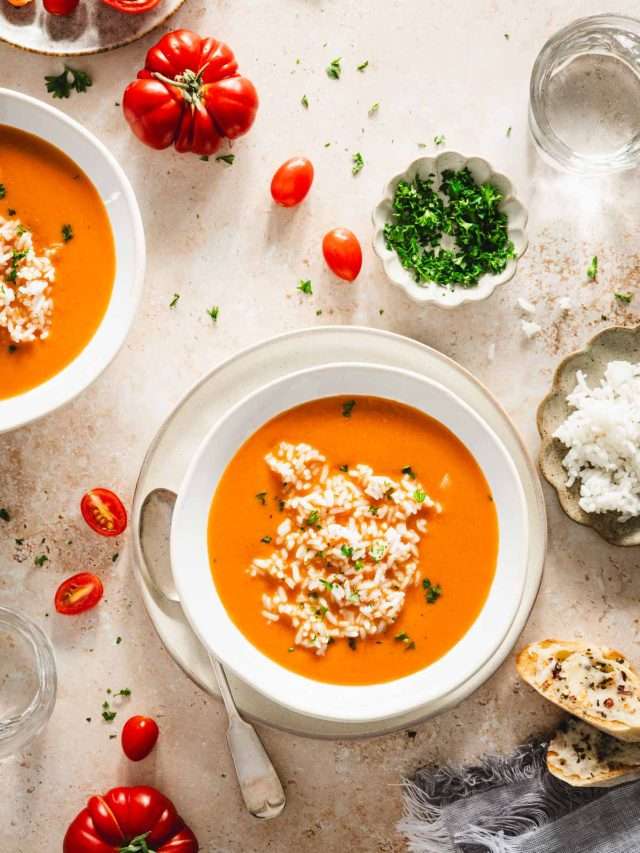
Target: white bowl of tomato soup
column 351, row 540
column 72, row 258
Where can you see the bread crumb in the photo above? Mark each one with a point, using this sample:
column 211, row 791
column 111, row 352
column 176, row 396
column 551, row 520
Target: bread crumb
column 530, row 329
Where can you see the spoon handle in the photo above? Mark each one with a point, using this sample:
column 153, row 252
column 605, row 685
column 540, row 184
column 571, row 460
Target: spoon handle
column 259, row 784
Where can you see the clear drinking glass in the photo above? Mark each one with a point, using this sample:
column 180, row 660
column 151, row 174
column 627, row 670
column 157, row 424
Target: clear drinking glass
column 584, row 97
column 27, row 681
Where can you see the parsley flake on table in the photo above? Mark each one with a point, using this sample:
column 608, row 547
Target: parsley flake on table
column 439, row 139
column 347, row 408
column 334, row 69
column 358, row 163
column 174, row 301
column 373, row 109
column 305, row 102
column 509, row 131
column 41, row 560
column 70, row 80
column 466, row 213
column 226, row 158
column 305, row 287
column 108, row 714
column 624, row 296
column 592, row 269
column 363, row 65
column 214, row 312
column 4, row 514
column 67, row 233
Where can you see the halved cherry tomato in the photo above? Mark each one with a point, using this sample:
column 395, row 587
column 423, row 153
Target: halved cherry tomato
column 139, row 736
column 132, row 7
column 292, row 181
column 104, row 512
column 19, row 3
column 78, row 593
column 60, row 7
column 342, row 252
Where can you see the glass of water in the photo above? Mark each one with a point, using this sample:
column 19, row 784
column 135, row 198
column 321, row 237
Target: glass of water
column 27, row 681
column 584, row 99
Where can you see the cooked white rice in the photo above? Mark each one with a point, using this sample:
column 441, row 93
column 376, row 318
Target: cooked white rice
column 25, row 284
column 340, row 569
column 603, row 437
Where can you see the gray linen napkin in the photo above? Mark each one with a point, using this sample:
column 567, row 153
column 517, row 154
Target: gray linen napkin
column 514, row 805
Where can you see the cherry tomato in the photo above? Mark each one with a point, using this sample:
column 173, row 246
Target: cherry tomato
column 139, row 736
column 342, row 252
column 292, row 182
column 60, row 7
column 78, row 593
column 104, row 512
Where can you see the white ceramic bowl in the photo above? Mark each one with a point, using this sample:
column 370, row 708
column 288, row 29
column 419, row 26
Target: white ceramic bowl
column 100, row 166
column 207, row 615
column 449, row 297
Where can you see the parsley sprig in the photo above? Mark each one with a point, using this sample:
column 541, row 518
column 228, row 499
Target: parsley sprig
column 463, row 211
column 70, row 80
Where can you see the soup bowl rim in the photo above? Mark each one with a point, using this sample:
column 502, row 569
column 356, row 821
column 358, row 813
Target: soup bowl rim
column 222, row 638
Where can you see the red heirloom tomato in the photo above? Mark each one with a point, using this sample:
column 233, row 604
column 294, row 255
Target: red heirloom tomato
column 342, row 252
column 78, row 593
column 104, row 512
column 132, row 7
column 129, row 820
column 139, row 736
column 60, row 7
column 292, row 182
column 190, row 95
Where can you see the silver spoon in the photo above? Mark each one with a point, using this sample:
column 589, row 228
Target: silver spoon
column 260, row 786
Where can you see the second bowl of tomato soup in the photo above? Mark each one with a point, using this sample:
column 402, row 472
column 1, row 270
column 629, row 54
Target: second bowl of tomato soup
column 352, row 541
column 71, row 258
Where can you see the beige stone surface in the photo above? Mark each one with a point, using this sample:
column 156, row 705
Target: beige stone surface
column 214, row 237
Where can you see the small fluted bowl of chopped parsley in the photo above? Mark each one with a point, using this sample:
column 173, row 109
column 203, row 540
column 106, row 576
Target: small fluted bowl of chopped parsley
column 449, row 230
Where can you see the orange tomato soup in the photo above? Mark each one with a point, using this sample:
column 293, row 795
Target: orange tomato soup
column 47, row 190
column 458, row 551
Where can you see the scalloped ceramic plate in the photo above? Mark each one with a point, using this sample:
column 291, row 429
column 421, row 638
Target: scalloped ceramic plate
column 616, row 343
column 93, row 28
column 450, row 297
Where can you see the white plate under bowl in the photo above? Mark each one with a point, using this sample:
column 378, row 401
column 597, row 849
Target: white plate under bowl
column 208, row 616
column 429, row 291
column 92, row 28
column 184, row 428
column 45, row 121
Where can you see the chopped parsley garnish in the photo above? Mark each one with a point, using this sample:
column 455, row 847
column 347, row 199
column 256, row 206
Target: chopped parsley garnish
column 432, row 592
column 226, row 158
column 353, row 643
column 16, row 258
column 305, row 287
column 114, row 557
column 373, row 510
column 118, row 640
column 12, row 211
column 12, row 348
column 267, row 540
column 419, row 496
column 362, row 65
column 3, row 191
column 291, row 649
column 378, row 550
column 305, row 102
column 326, row 584
column 358, row 163
column 439, row 139
column 462, row 210
column 174, row 301
column 347, row 551
column 124, row 692
column 108, row 714
column 408, row 470
column 344, row 468
column 347, row 408
column 374, row 108
column 592, row 269
column 313, row 518
column 70, row 80
column 205, row 158
column 509, row 131
column 403, row 637
column 41, row 560
column 262, row 497
column 624, row 297
column 67, row 233
column 4, row 514
column 334, row 69
column 358, row 565
column 214, row 313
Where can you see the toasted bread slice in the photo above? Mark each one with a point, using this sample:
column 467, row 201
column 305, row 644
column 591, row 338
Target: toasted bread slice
column 595, row 683
column 587, row 758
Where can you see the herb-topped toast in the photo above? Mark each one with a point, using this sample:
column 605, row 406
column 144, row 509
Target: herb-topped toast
column 584, row 757
column 595, row 683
